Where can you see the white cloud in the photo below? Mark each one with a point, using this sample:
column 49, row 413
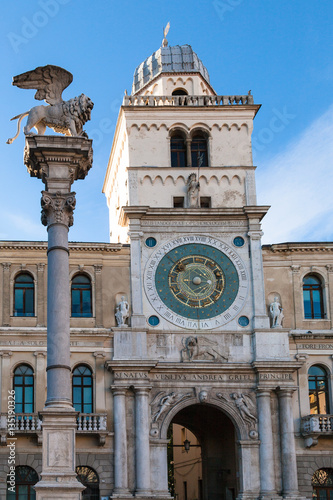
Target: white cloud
column 298, row 185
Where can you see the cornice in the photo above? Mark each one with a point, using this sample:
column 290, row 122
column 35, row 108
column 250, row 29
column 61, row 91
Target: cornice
column 73, row 247
column 326, row 247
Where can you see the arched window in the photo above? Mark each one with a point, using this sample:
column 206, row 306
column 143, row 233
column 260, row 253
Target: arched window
column 24, row 295
column 83, row 389
column 318, row 390
column 81, row 296
column 24, row 389
column 199, row 153
column 313, row 297
column 178, row 151
column 25, row 479
column 88, row 478
column 322, row 483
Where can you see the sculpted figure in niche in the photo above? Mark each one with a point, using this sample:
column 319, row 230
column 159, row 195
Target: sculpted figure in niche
column 276, row 312
column 193, row 188
column 122, row 312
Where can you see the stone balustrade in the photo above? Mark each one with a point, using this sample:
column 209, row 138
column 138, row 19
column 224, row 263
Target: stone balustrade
column 188, row 100
column 90, row 423
column 317, row 424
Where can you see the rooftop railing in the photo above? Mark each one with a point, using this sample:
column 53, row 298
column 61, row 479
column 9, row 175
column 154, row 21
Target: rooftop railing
column 188, row 100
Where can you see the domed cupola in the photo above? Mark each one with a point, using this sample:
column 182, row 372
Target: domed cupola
column 169, row 61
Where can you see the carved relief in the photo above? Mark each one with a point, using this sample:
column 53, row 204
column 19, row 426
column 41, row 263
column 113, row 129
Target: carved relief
column 163, row 402
column 245, row 406
column 200, row 348
column 57, row 208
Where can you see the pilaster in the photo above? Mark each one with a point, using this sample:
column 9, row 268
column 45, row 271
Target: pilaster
column 100, row 403
column 40, row 295
column 98, row 296
column 297, row 292
column 6, row 294
column 261, row 319
column 6, row 379
column 330, row 293
column 40, row 379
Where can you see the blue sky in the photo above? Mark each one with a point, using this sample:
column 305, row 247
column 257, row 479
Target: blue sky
column 281, row 50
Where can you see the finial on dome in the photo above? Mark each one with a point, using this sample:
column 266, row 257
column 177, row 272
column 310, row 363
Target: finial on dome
column 165, row 32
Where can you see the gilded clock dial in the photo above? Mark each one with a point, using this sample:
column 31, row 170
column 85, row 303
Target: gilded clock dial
column 196, row 281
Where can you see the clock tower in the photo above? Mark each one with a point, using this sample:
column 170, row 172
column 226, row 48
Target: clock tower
column 196, row 345
column 181, row 190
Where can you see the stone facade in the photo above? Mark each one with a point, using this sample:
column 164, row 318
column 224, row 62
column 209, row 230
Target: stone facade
column 198, row 345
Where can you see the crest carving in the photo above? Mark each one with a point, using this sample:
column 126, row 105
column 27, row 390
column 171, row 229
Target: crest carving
column 201, row 348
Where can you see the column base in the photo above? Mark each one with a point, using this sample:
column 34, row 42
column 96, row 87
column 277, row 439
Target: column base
column 269, row 495
column 123, row 496
column 59, row 486
column 247, row 495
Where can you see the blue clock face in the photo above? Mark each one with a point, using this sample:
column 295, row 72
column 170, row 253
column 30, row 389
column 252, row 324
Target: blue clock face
column 196, row 282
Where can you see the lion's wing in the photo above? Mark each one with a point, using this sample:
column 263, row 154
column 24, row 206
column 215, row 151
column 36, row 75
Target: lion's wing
column 49, row 81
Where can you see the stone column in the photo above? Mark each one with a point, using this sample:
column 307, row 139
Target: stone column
column 142, row 451
column 266, row 458
column 40, row 295
column 288, row 452
column 6, row 294
column 98, row 296
column 120, row 443
column 58, row 161
column 261, row 319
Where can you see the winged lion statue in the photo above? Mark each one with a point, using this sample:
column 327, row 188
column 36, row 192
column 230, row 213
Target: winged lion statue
column 66, row 117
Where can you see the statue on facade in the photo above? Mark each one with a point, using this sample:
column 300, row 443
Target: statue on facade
column 276, row 312
column 193, row 188
column 122, row 312
column 66, row 117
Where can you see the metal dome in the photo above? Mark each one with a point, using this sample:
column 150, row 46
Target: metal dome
column 180, row 58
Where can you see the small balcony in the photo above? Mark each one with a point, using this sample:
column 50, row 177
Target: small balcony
column 30, row 423
column 315, row 426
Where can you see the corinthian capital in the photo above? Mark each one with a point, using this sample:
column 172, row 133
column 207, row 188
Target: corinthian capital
column 57, row 208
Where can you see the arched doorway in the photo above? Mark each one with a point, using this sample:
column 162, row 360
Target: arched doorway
column 25, row 479
column 210, row 471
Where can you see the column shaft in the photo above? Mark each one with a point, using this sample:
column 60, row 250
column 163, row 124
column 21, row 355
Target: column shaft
column 142, row 452
column 288, row 452
column 120, row 441
column 267, row 479
column 58, row 304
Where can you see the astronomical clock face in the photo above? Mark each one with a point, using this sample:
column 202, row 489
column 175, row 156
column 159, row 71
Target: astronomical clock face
column 196, row 282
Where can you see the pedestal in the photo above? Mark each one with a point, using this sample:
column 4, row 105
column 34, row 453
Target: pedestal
column 58, row 162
